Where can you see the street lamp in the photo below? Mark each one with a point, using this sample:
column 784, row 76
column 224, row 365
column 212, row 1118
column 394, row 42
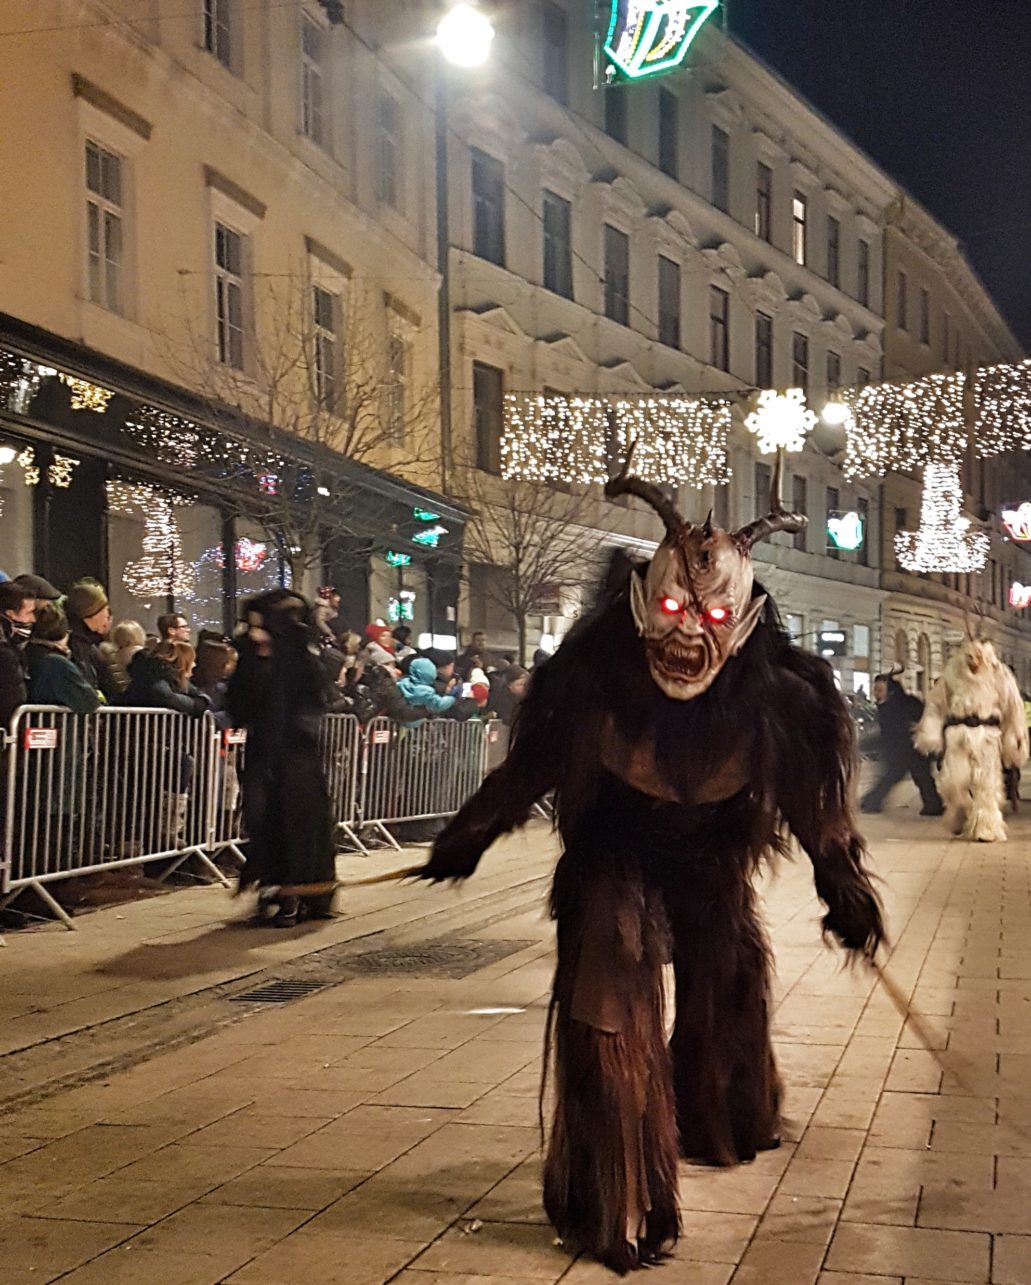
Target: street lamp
column 464, row 36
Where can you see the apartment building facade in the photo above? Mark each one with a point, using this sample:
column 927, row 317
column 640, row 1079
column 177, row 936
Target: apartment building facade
column 939, row 317
column 219, row 247
column 705, row 233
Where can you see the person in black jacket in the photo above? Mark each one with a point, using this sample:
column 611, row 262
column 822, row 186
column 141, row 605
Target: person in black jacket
column 278, row 693
column 897, row 715
column 160, row 679
column 17, row 612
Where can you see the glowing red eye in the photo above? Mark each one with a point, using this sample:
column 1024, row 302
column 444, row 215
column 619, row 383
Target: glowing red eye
column 671, row 607
column 718, row 614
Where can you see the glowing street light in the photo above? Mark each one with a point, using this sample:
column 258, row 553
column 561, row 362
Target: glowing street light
column 464, row 36
column 835, row 413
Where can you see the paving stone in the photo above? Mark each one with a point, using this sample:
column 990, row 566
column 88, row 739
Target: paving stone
column 1011, row 1260
column 328, row 1258
column 806, row 1177
column 286, row 1188
column 776, row 1260
column 851, row 1278
column 501, row 1249
column 910, row 1251
column 52, row 1245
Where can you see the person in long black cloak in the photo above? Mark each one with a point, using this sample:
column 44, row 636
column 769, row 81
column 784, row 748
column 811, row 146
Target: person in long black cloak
column 683, row 737
column 278, row 693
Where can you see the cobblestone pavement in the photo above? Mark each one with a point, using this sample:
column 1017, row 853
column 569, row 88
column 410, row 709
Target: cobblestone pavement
column 384, row 1127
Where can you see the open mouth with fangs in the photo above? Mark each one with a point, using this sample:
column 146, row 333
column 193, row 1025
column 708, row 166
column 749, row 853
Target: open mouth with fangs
column 681, row 662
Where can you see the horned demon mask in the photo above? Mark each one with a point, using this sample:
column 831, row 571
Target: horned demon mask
column 694, row 606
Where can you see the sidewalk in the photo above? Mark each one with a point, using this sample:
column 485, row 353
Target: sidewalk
column 384, row 1127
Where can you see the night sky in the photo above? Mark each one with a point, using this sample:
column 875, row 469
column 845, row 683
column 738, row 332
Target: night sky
column 938, row 92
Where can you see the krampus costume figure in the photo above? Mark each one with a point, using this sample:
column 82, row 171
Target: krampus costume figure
column 682, row 735
column 279, row 694
column 974, row 718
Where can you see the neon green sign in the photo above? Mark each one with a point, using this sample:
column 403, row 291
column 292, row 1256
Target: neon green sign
column 649, row 37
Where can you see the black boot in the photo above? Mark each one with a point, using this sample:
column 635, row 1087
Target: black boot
column 287, row 917
column 319, row 906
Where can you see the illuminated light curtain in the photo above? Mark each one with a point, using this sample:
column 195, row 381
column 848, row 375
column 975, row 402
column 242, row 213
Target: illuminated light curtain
column 1002, row 395
column 555, row 439
column 896, row 428
column 944, row 541
column 680, row 441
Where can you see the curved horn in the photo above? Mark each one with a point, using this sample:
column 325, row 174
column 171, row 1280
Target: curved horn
column 624, row 484
column 707, row 526
column 778, row 519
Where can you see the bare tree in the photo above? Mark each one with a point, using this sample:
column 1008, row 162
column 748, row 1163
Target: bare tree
column 331, row 371
column 539, row 542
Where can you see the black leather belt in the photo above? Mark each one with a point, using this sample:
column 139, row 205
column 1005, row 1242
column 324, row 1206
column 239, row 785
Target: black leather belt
column 972, row 720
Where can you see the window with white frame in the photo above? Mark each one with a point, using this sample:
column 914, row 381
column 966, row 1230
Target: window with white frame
column 863, row 273
column 399, row 376
column 763, row 350
column 799, row 360
column 104, row 226
column 763, row 201
column 488, row 190
column 617, row 275
column 833, row 251
column 218, row 30
column 925, row 315
column 720, row 162
column 389, row 178
column 326, row 346
column 669, row 302
column 230, row 252
column 901, row 301
column 313, row 81
column 558, row 244
column 799, row 221
column 719, row 328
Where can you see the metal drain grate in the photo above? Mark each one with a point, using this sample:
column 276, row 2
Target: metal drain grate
column 441, row 959
column 278, row 992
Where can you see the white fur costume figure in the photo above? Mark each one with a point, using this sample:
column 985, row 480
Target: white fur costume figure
column 975, row 717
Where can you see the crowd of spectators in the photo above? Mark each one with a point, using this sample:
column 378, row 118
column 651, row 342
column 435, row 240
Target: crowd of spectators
column 67, row 650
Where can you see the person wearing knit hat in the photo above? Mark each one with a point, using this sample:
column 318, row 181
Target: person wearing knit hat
column 379, row 646
column 54, row 678
column 90, row 619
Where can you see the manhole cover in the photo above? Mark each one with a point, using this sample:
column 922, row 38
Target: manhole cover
column 446, row 959
column 278, row 993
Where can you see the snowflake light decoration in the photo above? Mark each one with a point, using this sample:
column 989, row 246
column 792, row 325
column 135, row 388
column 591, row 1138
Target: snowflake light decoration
column 781, row 421
column 944, row 541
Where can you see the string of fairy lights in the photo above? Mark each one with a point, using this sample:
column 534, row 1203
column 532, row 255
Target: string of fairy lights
column 926, row 424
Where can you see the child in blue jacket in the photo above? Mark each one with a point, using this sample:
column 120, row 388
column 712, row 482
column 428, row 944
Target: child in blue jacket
column 418, row 690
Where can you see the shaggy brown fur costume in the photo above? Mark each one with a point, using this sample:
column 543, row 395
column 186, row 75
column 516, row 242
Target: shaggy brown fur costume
column 665, row 809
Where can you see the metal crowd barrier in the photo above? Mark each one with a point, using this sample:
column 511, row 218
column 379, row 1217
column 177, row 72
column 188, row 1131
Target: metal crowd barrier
column 120, row 787
column 342, row 746
column 115, row 788
column 417, row 773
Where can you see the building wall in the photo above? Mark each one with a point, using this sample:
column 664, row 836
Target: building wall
column 939, row 317
column 507, row 318
column 198, row 142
